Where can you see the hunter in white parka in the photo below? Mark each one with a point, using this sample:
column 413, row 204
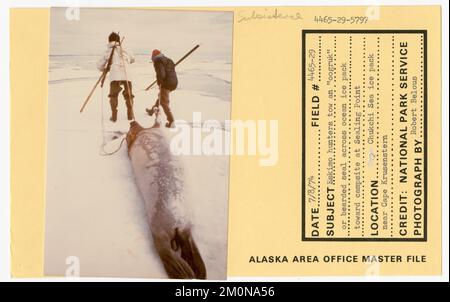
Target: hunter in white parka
column 119, row 75
column 117, row 71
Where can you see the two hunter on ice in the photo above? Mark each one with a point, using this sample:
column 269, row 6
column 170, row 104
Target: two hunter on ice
column 116, row 59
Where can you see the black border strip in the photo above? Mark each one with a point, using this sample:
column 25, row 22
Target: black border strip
column 425, row 123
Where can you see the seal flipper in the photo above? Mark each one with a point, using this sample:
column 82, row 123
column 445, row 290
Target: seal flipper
column 175, row 266
column 190, row 253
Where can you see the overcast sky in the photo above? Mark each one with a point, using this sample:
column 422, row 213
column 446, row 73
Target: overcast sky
column 173, row 32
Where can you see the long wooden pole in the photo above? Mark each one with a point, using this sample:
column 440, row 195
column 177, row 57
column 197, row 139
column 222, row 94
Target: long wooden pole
column 178, row 62
column 101, row 79
column 130, row 95
column 92, row 92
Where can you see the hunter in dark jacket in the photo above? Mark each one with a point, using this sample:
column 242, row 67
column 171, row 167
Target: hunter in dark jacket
column 167, row 81
column 166, row 76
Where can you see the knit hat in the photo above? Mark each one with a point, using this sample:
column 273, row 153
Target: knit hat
column 155, row 52
column 113, row 37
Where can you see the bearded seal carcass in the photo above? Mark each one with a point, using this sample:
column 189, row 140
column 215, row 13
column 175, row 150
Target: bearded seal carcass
column 160, row 178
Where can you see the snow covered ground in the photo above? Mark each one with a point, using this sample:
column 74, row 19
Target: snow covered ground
column 94, row 210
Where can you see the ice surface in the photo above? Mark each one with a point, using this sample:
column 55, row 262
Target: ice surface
column 94, row 210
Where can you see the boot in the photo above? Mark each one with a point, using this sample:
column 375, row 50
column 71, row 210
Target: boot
column 151, row 111
column 154, row 108
column 113, row 117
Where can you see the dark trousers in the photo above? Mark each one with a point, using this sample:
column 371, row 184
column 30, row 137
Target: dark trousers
column 114, row 89
column 164, row 101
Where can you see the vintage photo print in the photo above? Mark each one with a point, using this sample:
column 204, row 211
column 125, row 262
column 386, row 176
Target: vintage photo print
column 137, row 168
